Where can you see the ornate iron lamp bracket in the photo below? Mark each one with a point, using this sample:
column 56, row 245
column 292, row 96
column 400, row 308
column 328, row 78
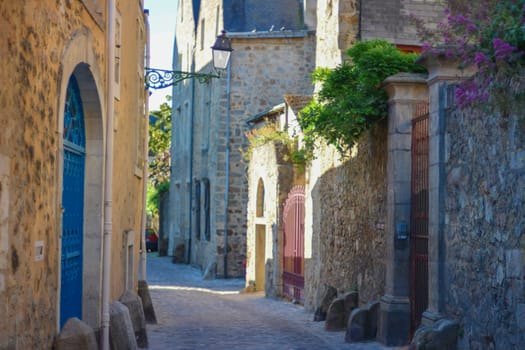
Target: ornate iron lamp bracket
column 161, row 78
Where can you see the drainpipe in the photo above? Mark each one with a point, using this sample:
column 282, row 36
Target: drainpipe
column 108, row 193
column 227, row 176
column 192, row 115
column 143, row 251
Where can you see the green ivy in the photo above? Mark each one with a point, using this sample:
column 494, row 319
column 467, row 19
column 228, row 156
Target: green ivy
column 351, row 99
column 271, row 132
column 153, row 196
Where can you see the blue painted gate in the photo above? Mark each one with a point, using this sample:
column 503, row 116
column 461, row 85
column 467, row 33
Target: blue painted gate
column 73, row 204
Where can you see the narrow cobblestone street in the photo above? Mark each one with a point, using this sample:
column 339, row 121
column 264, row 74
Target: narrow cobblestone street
column 193, row 313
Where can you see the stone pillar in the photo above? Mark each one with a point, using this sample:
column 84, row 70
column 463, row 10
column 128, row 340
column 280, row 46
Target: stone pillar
column 442, row 73
column 405, row 92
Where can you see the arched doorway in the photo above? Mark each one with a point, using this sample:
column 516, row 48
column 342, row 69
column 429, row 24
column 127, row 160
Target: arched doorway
column 260, row 240
column 293, row 244
column 74, row 139
column 79, row 61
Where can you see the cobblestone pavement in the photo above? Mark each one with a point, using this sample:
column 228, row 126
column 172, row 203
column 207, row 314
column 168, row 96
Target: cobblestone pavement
column 193, row 313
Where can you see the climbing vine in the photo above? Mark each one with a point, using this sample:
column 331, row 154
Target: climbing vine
column 486, row 34
column 271, row 132
column 351, row 99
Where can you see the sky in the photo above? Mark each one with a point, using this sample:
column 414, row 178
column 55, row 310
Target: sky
column 162, row 14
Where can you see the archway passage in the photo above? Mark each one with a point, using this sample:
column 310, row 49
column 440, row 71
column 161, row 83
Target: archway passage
column 293, row 249
column 73, row 205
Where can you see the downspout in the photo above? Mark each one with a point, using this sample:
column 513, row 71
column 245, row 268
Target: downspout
column 143, row 254
column 108, row 193
column 192, row 112
column 227, row 176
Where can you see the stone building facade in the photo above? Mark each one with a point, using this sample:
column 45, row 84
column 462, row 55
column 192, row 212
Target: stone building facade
column 53, row 57
column 273, row 54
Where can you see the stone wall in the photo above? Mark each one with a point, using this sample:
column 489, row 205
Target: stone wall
column 42, row 44
column 390, row 20
column 484, row 282
column 270, row 166
column 337, row 29
column 345, row 221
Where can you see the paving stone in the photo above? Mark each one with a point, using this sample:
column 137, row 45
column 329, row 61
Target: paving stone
column 194, row 313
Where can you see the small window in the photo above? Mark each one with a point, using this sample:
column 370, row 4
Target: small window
column 198, row 209
column 259, row 210
column 202, row 33
column 206, row 209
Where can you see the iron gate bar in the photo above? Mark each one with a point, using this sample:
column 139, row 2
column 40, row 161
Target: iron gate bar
column 419, row 215
column 293, row 244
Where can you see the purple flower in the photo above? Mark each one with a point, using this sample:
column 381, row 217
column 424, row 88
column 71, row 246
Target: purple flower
column 480, row 59
column 468, row 93
column 461, row 19
column 471, row 27
column 502, row 48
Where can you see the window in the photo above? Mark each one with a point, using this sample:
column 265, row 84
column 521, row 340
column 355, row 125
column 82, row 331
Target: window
column 206, row 208
column 197, row 206
column 202, row 33
column 259, row 209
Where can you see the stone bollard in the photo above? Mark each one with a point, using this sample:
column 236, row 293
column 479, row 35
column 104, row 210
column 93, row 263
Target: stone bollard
column 76, row 335
column 121, row 334
column 362, row 324
column 336, row 316
column 329, row 295
column 441, row 335
column 147, row 304
column 136, row 313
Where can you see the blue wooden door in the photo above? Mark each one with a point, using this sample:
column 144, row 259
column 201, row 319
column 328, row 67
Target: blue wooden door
column 73, row 204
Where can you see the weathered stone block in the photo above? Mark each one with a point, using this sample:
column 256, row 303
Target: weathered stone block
column 356, row 330
column 121, row 333
column 362, row 324
column 76, row 335
column 329, row 295
column 147, row 304
column 178, row 254
column 336, row 316
column 136, row 313
column 442, row 335
column 351, row 300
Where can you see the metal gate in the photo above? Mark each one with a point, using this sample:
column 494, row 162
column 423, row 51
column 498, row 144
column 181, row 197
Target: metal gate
column 293, row 246
column 73, row 204
column 419, row 216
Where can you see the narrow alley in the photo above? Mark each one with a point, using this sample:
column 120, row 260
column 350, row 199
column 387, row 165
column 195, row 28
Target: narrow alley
column 193, row 313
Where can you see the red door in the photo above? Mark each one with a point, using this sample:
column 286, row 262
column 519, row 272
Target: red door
column 419, row 217
column 293, row 245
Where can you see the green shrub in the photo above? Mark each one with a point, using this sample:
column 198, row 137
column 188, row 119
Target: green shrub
column 351, row 99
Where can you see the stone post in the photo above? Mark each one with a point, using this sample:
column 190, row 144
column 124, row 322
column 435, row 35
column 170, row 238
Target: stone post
column 405, row 91
column 442, row 72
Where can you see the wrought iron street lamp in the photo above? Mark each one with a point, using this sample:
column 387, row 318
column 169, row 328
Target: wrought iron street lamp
column 162, row 78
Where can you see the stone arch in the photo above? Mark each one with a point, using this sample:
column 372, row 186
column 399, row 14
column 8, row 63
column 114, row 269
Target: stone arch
column 79, row 60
